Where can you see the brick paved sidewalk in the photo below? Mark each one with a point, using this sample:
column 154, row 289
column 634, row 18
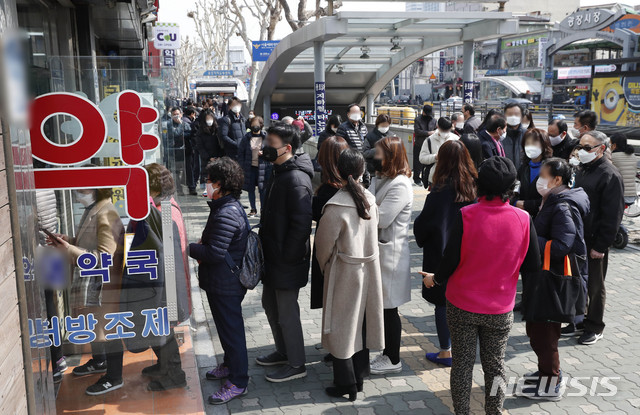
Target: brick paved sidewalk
column 422, row 387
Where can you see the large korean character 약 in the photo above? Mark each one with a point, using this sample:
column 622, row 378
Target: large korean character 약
column 81, row 328
column 88, row 262
column 41, row 334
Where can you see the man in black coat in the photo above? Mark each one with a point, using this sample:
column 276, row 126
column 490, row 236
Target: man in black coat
column 232, row 128
column 603, row 184
column 285, row 227
column 471, row 120
column 561, row 141
column 423, row 126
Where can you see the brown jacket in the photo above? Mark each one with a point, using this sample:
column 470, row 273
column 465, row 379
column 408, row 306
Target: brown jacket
column 348, row 253
column 100, row 231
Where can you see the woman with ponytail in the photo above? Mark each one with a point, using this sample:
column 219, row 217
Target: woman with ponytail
column 347, row 251
column 393, row 190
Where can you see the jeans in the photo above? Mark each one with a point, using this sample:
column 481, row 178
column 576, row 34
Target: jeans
column 283, row 312
column 392, row 334
column 254, row 176
column 227, row 314
column 444, row 337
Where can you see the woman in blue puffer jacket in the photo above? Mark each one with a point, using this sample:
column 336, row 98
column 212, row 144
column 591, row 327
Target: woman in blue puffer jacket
column 226, row 230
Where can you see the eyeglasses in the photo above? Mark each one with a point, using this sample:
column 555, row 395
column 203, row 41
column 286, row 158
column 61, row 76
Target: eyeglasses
column 586, row 147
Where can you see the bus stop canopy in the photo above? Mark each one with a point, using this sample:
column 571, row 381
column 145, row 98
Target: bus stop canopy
column 364, row 51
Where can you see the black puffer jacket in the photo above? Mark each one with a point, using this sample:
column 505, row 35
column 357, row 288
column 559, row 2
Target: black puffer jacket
column 231, row 133
column 353, row 134
column 528, row 192
column 603, row 184
column 207, row 143
column 226, row 231
column 285, row 224
column 369, row 147
column 566, row 146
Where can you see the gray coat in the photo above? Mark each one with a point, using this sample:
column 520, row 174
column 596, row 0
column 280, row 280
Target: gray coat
column 394, row 197
column 348, row 254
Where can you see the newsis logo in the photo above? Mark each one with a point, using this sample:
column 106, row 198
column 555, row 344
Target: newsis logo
column 575, row 386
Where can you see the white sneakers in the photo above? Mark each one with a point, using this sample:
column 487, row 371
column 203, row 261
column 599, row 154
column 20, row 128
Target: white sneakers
column 381, row 365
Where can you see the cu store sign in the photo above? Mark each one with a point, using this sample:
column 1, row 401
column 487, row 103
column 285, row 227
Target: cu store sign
column 131, row 116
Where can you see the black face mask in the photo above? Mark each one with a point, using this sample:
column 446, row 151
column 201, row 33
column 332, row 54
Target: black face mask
column 270, row 154
column 255, row 128
column 377, row 164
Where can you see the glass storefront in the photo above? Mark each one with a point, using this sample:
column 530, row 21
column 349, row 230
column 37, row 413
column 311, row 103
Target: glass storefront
column 106, row 276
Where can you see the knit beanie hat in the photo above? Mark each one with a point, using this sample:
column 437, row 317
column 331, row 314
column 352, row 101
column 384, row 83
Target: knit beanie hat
column 496, row 175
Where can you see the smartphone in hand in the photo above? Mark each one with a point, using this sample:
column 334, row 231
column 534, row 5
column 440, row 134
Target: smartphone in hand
column 52, row 237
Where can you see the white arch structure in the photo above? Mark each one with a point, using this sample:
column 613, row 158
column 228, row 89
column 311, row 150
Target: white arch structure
column 314, row 52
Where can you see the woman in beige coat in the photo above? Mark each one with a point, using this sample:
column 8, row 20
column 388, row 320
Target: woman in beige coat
column 100, row 232
column 347, row 251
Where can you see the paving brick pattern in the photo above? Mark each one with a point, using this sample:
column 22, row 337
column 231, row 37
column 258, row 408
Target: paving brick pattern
column 423, row 387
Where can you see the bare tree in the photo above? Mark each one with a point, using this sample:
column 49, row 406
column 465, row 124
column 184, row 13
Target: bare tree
column 213, row 30
column 188, row 61
column 303, row 15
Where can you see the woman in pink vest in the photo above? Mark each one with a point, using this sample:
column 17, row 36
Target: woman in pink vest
column 489, row 244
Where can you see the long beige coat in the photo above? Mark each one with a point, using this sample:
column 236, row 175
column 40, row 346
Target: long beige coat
column 100, row 231
column 347, row 251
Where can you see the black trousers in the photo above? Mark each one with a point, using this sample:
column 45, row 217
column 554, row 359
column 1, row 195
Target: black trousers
column 192, row 167
column 227, row 314
column 56, row 351
column 596, row 293
column 169, row 358
column 112, row 352
column 392, row 334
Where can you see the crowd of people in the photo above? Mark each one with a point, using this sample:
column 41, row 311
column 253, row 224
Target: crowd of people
column 506, row 199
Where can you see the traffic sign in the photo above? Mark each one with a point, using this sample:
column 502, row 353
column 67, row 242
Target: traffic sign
column 262, row 49
column 218, row 72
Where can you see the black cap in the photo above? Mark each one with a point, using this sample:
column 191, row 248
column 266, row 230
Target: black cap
column 496, row 175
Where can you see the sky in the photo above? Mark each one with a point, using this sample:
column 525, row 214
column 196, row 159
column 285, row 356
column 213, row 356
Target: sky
column 174, row 11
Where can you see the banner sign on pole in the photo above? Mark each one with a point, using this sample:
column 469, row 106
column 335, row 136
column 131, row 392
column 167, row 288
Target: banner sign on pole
column 169, row 58
column 262, row 49
column 320, row 107
column 468, row 92
column 442, row 61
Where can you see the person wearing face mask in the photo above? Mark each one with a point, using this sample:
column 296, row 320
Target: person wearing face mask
column 394, row 196
column 100, row 231
column 226, row 231
column 285, row 227
column 249, row 118
column 207, row 143
column 512, row 142
column 490, row 132
column 429, row 152
column 232, row 128
column 354, row 131
column 330, row 130
column 560, row 223
column 527, row 120
column 457, row 121
column 381, row 130
column 603, row 184
column 256, row 170
column 177, row 132
column 536, row 148
column 560, row 140
column 423, row 126
column 584, row 122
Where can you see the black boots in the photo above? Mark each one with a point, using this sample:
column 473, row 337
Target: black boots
column 340, row 391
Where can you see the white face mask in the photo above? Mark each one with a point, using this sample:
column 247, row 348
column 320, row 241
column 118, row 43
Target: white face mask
column 526, row 124
column 209, row 123
column 504, row 135
column 574, row 161
column 532, row 151
column 85, row 199
column 355, row 116
column 542, row 186
column 513, row 120
column 334, row 129
column 459, row 125
column 251, row 116
column 555, row 140
column 383, row 130
column 586, row 157
column 574, row 132
column 211, row 190
column 236, row 109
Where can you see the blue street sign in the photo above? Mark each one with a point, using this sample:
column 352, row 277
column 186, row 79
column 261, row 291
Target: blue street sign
column 497, row 72
column 262, row 49
column 548, row 75
column 218, row 72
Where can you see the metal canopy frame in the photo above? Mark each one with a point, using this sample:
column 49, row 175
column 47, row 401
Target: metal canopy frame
column 287, row 77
